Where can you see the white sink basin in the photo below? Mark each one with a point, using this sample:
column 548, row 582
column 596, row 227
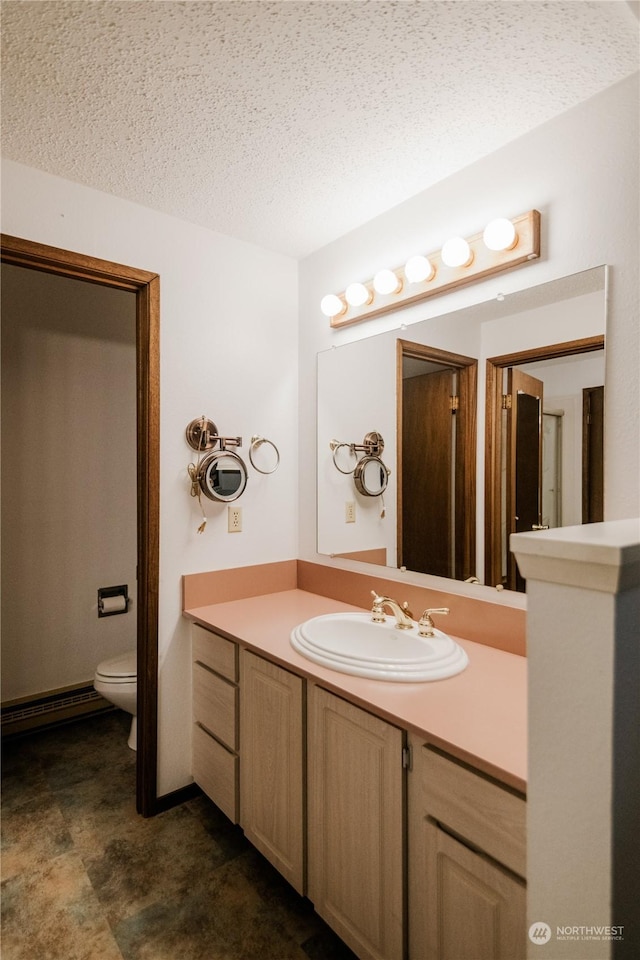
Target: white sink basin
column 353, row 643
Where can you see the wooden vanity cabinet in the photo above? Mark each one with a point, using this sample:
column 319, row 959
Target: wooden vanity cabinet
column 426, row 864
column 356, row 825
column 272, row 753
column 215, row 718
column 467, row 895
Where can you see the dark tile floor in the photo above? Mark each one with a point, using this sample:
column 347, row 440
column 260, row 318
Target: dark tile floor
column 85, row 878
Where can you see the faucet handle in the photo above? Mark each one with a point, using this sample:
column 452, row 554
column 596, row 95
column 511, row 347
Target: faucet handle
column 406, row 611
column 377, row 610
column 426, row 625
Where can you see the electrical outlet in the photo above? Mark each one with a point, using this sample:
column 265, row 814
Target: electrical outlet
column 235, row 519
column 350, row 512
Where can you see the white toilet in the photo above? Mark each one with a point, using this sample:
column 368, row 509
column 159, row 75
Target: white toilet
column 117, row 681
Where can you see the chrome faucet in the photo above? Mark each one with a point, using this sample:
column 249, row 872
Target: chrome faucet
column 404, row 617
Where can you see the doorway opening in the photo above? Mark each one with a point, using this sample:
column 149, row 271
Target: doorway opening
column 436, row 408
column 543, row 464
column 146, row 286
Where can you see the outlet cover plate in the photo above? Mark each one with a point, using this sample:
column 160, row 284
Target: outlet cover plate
column 234, row 516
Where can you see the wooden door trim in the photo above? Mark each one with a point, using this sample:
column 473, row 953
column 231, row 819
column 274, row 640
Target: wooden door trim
column 465, row 448
column 588, row 506
column 518, row 385
column 146, row 286
column 493, row 439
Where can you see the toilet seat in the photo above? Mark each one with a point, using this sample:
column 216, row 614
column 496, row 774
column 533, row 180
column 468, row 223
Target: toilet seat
column 120, row 669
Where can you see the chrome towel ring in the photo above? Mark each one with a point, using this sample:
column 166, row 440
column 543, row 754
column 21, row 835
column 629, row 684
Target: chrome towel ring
column 257, row 441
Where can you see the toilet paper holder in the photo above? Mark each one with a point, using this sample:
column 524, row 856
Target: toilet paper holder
column 113, row 600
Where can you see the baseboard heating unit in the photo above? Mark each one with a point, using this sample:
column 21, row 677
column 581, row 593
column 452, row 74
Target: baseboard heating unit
column 53, row 707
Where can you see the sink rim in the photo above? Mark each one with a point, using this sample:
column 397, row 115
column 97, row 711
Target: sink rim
column 442, row 658
column 427, row 643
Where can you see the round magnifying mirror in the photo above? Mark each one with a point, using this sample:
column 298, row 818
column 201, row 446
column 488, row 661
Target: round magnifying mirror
column 222, row 476
column 371, row 476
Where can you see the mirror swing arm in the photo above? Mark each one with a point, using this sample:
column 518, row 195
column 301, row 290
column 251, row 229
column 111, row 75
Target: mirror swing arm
column 370, row 474
column 221, row 474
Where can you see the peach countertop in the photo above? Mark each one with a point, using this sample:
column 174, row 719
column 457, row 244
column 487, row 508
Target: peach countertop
column 478, row 716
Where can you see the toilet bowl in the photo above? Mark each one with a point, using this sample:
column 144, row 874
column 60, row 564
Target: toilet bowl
column 117, row 681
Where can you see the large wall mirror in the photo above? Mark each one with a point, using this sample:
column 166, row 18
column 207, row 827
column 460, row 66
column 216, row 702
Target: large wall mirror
column 528, row 370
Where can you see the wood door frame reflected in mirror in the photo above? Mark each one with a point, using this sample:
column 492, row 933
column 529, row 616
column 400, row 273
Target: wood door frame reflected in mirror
column 494, row 535
column 464, row 484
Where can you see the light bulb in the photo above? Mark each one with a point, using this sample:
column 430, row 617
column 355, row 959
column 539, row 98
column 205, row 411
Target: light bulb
column 457, row 253
column 386, row 281
column 500, row 234
column 417, row 269
column 332, row 306
column 357, row 295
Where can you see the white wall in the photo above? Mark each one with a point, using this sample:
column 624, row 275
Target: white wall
column 228, row 342
column 69, row 477
column 581, row 172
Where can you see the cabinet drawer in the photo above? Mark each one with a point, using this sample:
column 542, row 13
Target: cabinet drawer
column 215, row 705
column 476, row 808
column 215, row 652
column 215, row 769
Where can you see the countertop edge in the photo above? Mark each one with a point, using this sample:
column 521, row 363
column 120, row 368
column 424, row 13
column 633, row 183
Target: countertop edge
column 215, row 617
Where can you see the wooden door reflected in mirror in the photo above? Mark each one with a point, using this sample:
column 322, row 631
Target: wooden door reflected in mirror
column 436, row 393
column 544, row 446
column 524, row 460
column 593, row 454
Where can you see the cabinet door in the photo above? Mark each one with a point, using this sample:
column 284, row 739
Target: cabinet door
column 355, row 824
column 271, row 764
column 466, row 858
column 475, row 909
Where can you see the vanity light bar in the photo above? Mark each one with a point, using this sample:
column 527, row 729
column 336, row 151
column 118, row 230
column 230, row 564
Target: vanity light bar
column 481, row 262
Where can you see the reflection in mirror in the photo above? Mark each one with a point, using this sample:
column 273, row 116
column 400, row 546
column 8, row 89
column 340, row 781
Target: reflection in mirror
column 371, row 477
column 436, row 461
column 545, row 423
column 357, row 385
column 345, row 458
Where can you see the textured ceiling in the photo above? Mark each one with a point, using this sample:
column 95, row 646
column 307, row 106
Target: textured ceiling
column 289, row 123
